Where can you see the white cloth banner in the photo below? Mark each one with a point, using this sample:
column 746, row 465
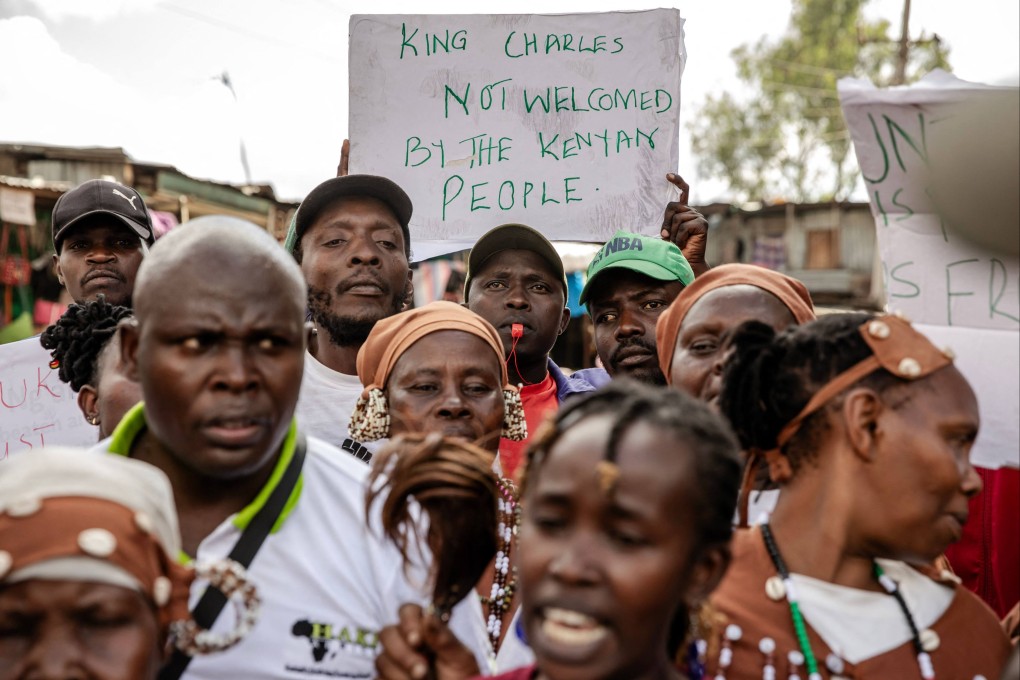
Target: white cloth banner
column 36, row 408
column 567, row 123
column 960, row 295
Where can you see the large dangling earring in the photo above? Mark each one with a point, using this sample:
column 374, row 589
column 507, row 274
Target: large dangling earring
column 700, row 642
column 232, row 579
column 371, row 419
column 515, row 427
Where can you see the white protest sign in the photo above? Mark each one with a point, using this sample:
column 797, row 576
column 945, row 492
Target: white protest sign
column 17, row 206
column 36, row 408
column 931, row 274
column 960, row 296
column 567, row 123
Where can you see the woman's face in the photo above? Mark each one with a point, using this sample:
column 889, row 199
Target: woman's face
column 448, row 382
column 114, row 393
column 603, row 576
column 700, row 354
column 72, row 629
column 923, row 439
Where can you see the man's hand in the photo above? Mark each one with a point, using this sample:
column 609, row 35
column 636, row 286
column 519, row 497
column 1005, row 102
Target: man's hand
column 686, row 227
column 345, row 159
column 420, row 644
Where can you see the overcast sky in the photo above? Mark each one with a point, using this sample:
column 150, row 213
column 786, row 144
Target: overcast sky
column 141, row 74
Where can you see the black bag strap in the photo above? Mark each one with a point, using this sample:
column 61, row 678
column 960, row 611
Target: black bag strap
column 213, row 600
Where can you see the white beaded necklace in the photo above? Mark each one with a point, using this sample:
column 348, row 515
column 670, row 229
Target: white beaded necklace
column 504, row 581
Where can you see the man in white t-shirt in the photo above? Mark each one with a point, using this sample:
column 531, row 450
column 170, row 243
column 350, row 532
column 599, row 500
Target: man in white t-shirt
column 219, row 353
column 351, row 239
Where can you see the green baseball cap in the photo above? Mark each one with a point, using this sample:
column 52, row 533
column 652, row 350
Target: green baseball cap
column 648, row 255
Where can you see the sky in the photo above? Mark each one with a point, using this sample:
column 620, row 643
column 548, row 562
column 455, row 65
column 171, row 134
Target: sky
column 144, row 74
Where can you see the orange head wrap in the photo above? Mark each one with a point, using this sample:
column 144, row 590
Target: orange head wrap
column 791, row 292
column 392, row 336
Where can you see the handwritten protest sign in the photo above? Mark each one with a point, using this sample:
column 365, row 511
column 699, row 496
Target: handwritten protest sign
column 961, row 296
column 931, row 274
column 36, row 408
column 17, row 206
column 564, row 122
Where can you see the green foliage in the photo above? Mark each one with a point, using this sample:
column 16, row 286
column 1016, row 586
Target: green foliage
column 787, row 139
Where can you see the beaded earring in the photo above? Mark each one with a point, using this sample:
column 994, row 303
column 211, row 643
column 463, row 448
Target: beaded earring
column 371, row 418
column 515, row 427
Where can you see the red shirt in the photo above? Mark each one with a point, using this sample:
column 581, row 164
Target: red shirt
column 539, row 400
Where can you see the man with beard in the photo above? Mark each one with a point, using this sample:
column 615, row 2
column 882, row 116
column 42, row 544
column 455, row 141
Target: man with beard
column 631, row 281
column 352, row 243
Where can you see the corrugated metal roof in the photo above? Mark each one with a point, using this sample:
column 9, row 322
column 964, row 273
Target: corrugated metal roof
column 35, row 183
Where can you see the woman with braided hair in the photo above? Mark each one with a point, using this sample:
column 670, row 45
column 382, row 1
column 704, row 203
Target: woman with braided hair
column 86, row 353
column 627, row 504
column 867, row 429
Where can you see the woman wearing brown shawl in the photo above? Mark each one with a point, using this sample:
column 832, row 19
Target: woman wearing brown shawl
column 868, row 429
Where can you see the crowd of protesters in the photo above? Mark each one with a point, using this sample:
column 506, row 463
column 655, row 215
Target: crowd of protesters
column 301, row 476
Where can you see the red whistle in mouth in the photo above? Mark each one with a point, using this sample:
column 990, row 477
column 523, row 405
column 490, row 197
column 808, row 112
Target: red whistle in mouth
column 516, row 330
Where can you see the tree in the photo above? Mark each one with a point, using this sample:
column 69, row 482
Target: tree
column 788, row 139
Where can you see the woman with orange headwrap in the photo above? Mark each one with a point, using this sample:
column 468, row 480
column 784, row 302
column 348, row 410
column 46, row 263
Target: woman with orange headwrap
column 691, row 337
column 690, row 334
column 437, row 368
column 440, row 369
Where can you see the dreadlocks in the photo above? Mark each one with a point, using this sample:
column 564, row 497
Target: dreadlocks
column 77, row 338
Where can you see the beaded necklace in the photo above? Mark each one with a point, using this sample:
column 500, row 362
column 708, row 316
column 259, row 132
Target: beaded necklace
column 800, row 628
column 504, row 581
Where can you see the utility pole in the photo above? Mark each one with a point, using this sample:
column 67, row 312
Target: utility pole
column 904, row 45
column 225, row 79
column 904, row 52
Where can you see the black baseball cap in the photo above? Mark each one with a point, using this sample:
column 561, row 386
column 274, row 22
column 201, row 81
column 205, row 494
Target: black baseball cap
column 386, row 190
column 101, row 197
column 513, row 237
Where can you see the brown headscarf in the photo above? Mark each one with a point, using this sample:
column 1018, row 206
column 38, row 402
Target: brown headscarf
column 392, row 336
column 66, row 515
column 791, row 292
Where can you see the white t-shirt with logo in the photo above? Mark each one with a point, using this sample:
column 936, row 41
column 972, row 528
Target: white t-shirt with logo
column 327, row 585
column 325, row 405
